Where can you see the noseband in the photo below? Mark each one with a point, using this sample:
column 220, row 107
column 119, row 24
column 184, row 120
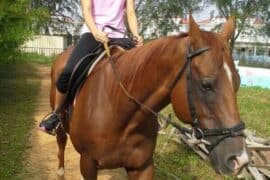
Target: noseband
column 196, row 131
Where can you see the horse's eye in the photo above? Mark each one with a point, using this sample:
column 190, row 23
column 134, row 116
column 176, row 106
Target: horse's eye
column 206, row 86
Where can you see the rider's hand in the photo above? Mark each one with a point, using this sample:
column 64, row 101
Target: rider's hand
column 100, row 36
column 138, row 40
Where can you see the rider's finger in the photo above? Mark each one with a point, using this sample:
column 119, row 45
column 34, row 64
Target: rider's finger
column 138, row 40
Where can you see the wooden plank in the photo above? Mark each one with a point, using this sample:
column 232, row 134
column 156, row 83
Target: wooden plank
column 266, row 156
column 265, row 172
column 256, row 158
column 265, row 166
column 200, row 153
column 261, row 140
column 244, row 174
column 255, row 173
column 262, row 148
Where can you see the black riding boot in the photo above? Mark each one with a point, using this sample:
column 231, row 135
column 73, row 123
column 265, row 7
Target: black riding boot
column 49, row 124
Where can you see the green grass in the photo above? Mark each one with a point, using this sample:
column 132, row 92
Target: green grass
column 34, row 57
column 180, row 161
column 22, row 57
column 254, row 106
column 19, row 85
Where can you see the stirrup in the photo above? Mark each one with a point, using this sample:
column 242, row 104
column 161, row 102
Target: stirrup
column 53, row 131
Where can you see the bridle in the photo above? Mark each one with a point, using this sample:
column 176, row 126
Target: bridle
column 196, row 131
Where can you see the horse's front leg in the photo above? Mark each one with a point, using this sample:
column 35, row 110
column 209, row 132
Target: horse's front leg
column 88, row 167
column 61, row 138
column 145, row 173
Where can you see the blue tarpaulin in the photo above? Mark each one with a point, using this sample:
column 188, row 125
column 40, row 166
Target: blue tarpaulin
column 254, row 76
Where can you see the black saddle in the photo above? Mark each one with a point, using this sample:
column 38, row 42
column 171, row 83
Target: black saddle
column 81, row 69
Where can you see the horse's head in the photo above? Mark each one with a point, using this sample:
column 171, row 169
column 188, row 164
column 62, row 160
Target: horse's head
column 207, row 99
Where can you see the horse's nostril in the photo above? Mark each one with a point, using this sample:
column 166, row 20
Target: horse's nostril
column 235, row 163
column 231, row 163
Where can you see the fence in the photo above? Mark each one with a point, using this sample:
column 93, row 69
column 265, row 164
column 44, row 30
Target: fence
column 253, row 61
column 46, row 45
column 43, row 51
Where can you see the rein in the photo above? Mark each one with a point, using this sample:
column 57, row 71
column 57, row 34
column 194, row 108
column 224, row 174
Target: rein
column 197, row 133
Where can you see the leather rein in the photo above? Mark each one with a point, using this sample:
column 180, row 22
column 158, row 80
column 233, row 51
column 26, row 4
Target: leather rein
column 196, row 131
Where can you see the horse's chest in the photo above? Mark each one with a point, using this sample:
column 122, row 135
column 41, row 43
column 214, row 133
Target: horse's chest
column 133, row 151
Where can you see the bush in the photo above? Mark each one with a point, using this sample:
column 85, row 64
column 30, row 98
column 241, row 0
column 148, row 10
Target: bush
column 18, row 22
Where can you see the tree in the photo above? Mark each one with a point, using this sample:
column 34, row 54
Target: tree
column 18, row 21
column 242, row 10
column 65, row 15
column 160, row 17
column 264, row 14
column 158, row 14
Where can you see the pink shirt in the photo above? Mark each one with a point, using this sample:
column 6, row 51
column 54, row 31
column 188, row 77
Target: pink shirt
column 108, row 12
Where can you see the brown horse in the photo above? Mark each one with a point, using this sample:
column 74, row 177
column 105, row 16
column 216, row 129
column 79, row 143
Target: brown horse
column 110, row 130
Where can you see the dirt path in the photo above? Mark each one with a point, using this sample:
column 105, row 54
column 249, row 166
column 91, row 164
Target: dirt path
column 40, row 159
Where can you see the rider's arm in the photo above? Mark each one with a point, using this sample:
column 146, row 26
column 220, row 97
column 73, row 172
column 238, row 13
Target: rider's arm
column 89, row 20
column 132, row 21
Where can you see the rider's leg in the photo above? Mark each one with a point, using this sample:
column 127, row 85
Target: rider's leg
column 59, row 100
column 85, row 45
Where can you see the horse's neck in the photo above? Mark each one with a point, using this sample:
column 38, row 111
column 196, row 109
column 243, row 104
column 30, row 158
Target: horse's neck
column 150, row 76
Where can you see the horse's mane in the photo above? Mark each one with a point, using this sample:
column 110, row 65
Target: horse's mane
column 138, row 58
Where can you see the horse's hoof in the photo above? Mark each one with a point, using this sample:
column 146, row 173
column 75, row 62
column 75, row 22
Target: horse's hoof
column 61, row 171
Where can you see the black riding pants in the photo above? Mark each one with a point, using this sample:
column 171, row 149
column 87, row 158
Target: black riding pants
column 86, row 44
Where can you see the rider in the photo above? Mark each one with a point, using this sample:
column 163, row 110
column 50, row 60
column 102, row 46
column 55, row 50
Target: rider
column 97, row 15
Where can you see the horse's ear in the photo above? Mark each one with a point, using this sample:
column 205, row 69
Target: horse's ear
column 228, row 28
column 194, row 30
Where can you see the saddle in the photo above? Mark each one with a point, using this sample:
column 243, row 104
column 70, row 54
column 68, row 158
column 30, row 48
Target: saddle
column 85, row 66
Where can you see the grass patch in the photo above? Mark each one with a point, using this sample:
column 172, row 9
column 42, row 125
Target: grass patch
column 34, row 57
column 181, row 161
column 254, row 107
column 23, row 57
column 19, row 84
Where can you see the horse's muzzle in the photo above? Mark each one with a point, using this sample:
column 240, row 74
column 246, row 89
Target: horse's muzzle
column 230, row 156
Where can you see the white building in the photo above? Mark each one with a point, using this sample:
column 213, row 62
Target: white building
column 249, row 43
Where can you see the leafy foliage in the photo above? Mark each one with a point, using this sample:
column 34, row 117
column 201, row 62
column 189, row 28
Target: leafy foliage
column 264, row 13
column 242, row 10
column 156, row 17
column 65, row 15
column 160, row 17
column 18, row 21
